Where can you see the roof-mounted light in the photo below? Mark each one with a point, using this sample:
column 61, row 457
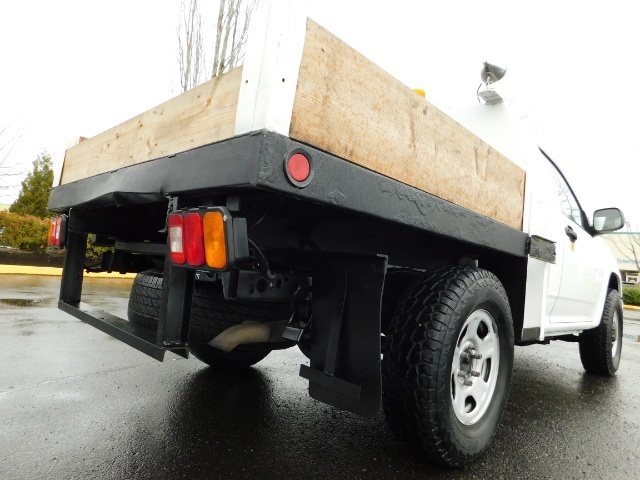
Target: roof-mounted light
column 490, row 74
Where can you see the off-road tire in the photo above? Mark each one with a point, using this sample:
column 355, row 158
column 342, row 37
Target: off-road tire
column 210, row 316
column 418, row 362
column 144, row 299
column 597, row 345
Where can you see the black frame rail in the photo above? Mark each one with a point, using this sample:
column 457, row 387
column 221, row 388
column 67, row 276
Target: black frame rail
column 172, row 332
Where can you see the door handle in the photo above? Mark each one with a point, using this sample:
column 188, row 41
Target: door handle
column 573, row 236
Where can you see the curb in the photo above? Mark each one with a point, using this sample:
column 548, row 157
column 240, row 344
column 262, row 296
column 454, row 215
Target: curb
column 55, row 272
column 631, row 307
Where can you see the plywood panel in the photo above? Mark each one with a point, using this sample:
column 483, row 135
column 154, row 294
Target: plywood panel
column 348, row 106
column 203, row 115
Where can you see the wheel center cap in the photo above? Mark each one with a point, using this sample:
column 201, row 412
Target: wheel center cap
column 466, row 358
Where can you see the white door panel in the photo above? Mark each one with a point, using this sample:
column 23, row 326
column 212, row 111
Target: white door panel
column 582, row 278
column 569, row 294
column 579, row 271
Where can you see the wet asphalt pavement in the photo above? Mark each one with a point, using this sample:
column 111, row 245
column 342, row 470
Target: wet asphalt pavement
column 75, row 403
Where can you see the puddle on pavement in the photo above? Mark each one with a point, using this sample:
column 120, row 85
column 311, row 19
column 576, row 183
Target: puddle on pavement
column 22, row 302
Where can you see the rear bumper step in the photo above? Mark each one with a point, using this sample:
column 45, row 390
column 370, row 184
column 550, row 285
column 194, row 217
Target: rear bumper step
column 136, row 336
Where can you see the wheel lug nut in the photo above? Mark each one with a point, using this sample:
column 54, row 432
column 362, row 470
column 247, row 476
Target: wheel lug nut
column 477, row 356
column 463, row 374
column 475, row 374
column 468, row 383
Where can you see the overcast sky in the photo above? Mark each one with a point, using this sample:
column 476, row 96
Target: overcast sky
column 74, row 68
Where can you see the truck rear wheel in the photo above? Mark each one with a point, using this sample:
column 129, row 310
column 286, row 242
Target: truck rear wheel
column 601, row 347
column 144, row 299
column 211, row 314
column 447, row 363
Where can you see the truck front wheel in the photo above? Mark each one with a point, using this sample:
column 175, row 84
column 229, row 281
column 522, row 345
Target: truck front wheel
column 447, row 363
column 601, row 347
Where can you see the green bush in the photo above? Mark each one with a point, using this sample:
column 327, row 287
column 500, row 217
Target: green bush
column 95, row 253
column 25, row 232
column 631, row 295
column 29, row 233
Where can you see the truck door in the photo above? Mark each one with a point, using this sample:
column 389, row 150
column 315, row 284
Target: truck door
column 581, row 278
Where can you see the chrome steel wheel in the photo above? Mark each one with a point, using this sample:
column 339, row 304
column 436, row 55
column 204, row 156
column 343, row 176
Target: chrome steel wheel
column 616, row 333
column 474, row 372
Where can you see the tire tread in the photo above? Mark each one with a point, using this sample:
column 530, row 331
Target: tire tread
column 594, row 344
column 210, row 315
column 412, row 362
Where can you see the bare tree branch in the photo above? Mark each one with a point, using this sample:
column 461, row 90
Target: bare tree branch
column 190, row 45
column 9, row 139
column 8, row 144
column 216, row 48
column 231, row 31
column 236, row 54
column 232, row 27
column 231, row 14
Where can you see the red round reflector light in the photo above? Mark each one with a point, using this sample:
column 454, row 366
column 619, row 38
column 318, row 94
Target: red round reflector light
column 299, row 167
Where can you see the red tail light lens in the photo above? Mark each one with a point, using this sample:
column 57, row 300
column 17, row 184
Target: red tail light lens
column 176, row 239
column 57, row 227
column 52, row 232
column 194, row 241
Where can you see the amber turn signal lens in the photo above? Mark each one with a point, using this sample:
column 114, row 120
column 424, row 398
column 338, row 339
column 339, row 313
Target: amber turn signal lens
column 215, row 246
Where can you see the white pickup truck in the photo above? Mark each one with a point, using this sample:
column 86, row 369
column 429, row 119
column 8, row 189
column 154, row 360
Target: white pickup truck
column 309, row 199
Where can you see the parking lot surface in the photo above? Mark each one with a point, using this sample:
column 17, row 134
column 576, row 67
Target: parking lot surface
column 75, row 403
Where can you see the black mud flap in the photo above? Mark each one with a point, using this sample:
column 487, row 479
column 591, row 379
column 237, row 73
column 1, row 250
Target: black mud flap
column 344, row 352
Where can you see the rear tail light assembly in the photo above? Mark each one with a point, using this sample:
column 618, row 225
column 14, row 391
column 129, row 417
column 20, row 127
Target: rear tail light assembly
column 207, row 238
column 57, row 231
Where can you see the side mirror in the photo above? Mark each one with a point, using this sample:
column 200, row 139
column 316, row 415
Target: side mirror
column 607, row 220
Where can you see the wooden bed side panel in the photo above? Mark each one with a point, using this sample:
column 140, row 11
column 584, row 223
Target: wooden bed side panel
column 348, row 106
column 200, row 116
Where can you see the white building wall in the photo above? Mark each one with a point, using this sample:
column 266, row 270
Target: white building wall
column 620, row 245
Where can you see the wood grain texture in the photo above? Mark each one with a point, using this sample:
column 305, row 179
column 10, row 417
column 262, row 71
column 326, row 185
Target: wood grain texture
column 348, row 106
column 201, row 116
